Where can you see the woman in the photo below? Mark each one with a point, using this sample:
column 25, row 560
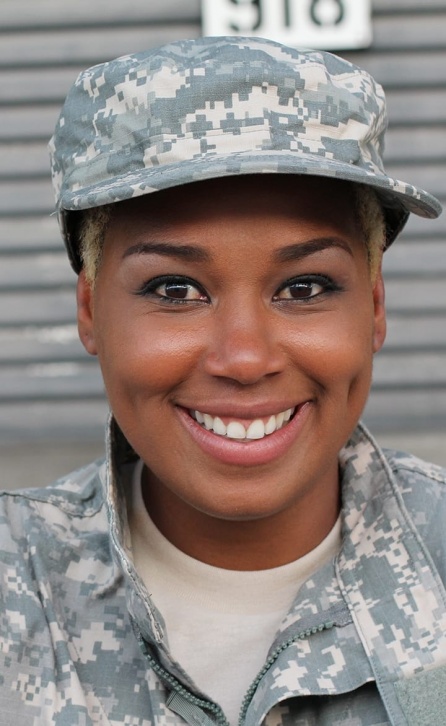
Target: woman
column 245, row 552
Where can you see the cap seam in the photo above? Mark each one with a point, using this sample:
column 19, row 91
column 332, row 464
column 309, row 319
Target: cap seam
column 216, row 133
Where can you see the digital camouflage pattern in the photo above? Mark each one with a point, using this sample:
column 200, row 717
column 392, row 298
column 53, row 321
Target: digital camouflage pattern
column 364, row 643
column 199, row 109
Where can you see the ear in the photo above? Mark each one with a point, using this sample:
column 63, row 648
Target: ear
column 85, row 314
column 379, row 331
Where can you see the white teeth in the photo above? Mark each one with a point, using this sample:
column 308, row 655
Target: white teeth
column 219, row 427
column 256, row 430
column 236, row 430
column 270, row 425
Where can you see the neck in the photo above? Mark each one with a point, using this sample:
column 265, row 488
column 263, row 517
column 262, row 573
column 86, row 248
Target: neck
column 247, row 544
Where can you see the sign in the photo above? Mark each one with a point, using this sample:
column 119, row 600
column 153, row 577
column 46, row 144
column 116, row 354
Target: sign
column 323, row 24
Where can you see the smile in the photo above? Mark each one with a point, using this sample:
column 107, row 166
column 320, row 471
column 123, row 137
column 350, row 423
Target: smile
column 256, row 429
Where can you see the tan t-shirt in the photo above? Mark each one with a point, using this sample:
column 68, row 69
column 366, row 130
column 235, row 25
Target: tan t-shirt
column 220, row 623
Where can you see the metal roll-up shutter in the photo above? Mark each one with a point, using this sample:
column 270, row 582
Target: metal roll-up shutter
column 51, row 395
column 408, row 57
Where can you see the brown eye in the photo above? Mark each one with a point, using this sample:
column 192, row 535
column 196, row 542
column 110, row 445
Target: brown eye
column 178, row 291
column 305, row 287
column 300, row 291
column 173, row 289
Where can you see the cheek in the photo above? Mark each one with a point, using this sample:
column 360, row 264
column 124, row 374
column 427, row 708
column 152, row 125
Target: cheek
column 338, row 351
column 142, row 356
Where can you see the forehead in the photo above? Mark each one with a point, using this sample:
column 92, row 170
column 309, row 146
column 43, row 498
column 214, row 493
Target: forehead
column 248, row 197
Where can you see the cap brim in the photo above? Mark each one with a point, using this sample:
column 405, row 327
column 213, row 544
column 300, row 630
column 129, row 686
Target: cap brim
column 398, row 197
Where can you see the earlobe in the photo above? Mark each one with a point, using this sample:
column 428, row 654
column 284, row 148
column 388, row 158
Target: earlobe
column 379, row 332
column 85, row 314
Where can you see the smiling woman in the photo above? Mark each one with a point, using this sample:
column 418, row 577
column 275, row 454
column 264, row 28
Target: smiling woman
column 246, row 552
column 254, row 304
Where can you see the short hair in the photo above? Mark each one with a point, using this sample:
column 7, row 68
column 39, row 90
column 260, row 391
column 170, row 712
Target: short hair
column 372, row 222
column 369, row 211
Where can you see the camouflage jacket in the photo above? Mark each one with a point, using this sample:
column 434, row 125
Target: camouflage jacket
column 364, row 644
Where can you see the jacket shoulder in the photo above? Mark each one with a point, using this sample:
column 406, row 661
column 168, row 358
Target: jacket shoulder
column 79, row 493
column 423, row 489
column 51, row 514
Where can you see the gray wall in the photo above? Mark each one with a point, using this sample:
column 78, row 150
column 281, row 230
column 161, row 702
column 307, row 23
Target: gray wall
column 51, row 396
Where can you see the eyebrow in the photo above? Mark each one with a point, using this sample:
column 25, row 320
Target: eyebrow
column 300, row 250
column 192, row 253
column 184, row 252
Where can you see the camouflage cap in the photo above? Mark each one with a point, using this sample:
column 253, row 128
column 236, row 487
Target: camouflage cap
column 213, row 107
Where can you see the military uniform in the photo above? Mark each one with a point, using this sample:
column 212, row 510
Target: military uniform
column 81, row 642
column 364, row 643
column 217, row 107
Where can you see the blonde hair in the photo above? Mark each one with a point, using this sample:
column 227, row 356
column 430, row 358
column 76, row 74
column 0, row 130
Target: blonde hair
column 368, row 209
column 92, row 231
column 373, row 225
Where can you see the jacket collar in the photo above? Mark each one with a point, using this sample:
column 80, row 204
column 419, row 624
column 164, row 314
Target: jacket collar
column 382, row 588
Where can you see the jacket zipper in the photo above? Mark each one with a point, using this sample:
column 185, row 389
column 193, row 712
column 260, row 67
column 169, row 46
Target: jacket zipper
column 273, row 657
column 175, row 684
column 213, row 708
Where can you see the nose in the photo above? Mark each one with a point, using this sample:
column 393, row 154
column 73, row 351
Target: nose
column 245, row 345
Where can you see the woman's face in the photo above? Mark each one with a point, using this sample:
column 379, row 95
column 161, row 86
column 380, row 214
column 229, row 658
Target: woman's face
column 235, row 323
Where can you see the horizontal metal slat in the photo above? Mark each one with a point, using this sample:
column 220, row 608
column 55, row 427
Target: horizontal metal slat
column 86, row 46
column 45, row 271
column 24, row 160
column 414, row 31
column 401, row 370
column 22, row 345
column 55, row 421
column 50, row 269
column 50, row 13
column 28, row 123
column 35, row 233
column 46, row 381
column 37, row 85
column 412, row 334
column 405, row 69
column 421, row 228
column 41, row 462
column 25, row 234
column 17, row 14
column 421, row 257
column 414, row 145
column 417, row 143
column 417, row 297
column 389, row 7
column 429, row 176
column 404, row 411
column 82, row 379
column 29, row 197
column 408, row 106
column 61, row 343
column 78, row 380
column 36, row 121
column 36, row 196
column 62, row 423
column 37, row 308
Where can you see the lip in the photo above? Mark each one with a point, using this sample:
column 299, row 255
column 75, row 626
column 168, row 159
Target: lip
column 256, row 452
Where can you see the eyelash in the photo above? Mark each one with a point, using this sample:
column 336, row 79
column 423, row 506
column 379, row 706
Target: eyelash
column 303, row 281
column 149, row 289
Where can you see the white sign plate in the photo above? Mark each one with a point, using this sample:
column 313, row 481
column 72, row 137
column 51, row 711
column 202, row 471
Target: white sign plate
column 324, row 24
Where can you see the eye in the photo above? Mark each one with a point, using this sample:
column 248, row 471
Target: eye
column 174, row 289
column 305, row 288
